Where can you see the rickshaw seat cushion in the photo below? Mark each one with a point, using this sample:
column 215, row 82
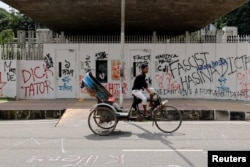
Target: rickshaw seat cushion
column 111, row 99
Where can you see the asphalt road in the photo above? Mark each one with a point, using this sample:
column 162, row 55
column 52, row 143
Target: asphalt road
column 39, row 143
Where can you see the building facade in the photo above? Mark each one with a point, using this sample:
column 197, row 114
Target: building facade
column 177, row 70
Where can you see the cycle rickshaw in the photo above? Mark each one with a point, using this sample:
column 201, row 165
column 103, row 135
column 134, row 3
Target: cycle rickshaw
column 105, row 115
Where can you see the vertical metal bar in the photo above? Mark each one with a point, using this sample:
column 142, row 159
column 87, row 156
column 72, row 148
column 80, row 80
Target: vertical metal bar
column 60, row 69
column 122, row 50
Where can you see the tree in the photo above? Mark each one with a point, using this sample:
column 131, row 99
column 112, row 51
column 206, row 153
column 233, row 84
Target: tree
column 15, row 20
column 6, row 37
column 239, row 18
column 3, row 19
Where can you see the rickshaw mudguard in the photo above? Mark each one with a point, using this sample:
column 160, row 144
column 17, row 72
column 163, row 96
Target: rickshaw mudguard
column 103, row 104
column 118, row 114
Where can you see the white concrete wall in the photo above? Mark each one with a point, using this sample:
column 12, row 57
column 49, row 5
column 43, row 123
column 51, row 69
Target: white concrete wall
column 36, row 81
column 210, row 71
column 8, row 78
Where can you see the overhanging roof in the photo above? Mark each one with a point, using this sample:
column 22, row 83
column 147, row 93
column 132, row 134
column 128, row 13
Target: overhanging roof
column 141, row 16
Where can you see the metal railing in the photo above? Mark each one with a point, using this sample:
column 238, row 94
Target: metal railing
column 152, row 39
column 13, row 51
column 29, row 46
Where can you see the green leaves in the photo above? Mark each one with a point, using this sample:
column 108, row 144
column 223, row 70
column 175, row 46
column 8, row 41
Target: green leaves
column 6, row 36
column 15, row 20
column 239, row 18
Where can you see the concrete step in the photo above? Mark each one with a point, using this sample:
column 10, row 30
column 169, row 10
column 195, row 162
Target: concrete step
column 188, row 115
column 30, row 114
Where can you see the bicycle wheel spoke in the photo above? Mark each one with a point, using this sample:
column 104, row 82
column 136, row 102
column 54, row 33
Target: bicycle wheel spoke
column 167, row 119
column 102, row 121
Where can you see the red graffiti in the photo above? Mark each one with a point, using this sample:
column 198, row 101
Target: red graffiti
column 174, row 86
column 36, row 74
column 1, row 84
column 244, row 81
column 36, row 81
column 114, row 88
column 166, row 81
column 37, row 88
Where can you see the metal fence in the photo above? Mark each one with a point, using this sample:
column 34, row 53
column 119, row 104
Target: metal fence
column 29, row 45
column 128, row 39
column 13, row 51
column 154, row 39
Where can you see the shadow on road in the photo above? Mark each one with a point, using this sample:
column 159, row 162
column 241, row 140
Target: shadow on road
column 162, row 137
column 113, row 135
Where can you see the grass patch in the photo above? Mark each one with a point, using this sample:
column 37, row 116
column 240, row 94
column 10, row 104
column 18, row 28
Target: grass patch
column 7, row 99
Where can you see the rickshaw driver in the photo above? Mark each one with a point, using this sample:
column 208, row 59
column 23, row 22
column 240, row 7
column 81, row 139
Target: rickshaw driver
column 140, row 85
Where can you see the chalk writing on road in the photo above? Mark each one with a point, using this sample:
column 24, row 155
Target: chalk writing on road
column 66, row 158
column 74, row 160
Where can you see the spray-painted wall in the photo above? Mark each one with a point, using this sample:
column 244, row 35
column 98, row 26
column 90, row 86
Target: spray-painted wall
column 209, row 71
column 8, row 78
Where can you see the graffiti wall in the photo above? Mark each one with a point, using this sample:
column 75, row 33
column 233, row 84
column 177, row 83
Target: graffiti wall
column 36, row 80
column 215, row 71
column 103, row 61
column 8, row 77
column 210, row 71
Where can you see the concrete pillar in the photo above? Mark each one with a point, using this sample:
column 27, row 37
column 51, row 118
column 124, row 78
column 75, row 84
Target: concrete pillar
column 154, row 38
column 219, row 36
column 187, row 39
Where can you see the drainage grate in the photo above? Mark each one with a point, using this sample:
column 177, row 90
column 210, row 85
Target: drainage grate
column 30, row 114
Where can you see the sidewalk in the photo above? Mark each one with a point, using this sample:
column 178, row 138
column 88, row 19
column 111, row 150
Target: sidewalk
column 193, row 109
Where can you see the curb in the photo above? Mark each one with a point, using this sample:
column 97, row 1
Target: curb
column 187, row 115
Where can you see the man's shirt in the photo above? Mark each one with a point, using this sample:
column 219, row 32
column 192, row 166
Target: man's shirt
column 140, row 82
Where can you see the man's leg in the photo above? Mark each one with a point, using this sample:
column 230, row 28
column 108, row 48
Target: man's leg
column 141, row 96
column 145, row 109
column 151, row 100
column 144, row 103
column 151, row 96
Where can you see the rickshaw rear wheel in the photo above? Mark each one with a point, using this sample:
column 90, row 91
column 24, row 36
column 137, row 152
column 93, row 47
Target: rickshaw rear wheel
column 102, row 121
